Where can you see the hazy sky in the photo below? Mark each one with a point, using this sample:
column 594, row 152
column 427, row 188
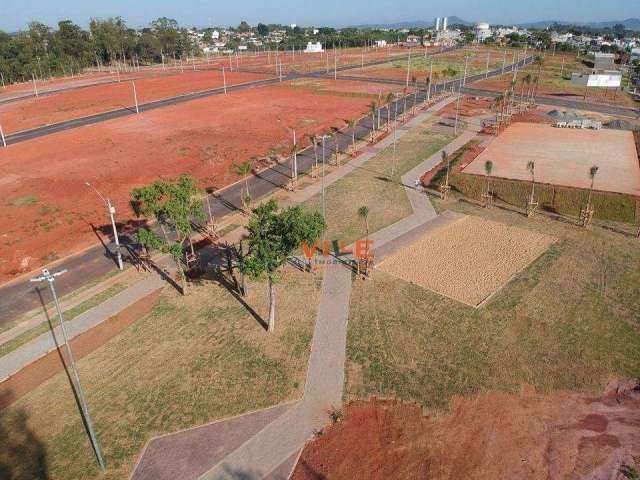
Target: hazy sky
column 16, row 14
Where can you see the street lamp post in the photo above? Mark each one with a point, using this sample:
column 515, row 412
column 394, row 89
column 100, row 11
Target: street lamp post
column 50, row 278
column 324, row 203
column 112, row 212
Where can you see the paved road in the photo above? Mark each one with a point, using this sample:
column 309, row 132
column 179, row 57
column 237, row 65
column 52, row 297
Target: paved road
column 19, row 298
column 566, row 103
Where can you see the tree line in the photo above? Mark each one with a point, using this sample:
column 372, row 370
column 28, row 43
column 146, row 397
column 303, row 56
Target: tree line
column 42, row 52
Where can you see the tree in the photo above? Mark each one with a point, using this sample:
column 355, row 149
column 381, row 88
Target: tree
column 244, row 27
column 593, row 171
column 352, row 126
column 363, row 213
column 374, row 108
column 445, row 158
column 263, row 30
column 499, row 106
column 488, row 168
column 272, row 237
column 388, row 101
column 174, row 206
column 243, row 170
column 531, row 167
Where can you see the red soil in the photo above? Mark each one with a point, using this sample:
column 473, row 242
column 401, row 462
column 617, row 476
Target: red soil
column 494, row 436
column 67, row 105
column 604, row 96
column 47, row 212
column 469, row 155
column 469, row 107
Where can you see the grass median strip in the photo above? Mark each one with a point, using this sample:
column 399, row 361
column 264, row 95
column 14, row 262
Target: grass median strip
column 70, row 314
column 373, row 186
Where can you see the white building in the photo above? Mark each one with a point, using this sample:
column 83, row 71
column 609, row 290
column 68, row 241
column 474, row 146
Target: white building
column 381, row 43
column 483, row 31
column 215, row 35
column 314, row 47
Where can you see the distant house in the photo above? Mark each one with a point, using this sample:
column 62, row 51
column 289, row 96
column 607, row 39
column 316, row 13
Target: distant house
column 381, row 43
column 412, row 41
column 314, row 47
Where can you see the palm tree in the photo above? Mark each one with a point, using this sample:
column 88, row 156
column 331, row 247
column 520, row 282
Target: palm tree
column 499, row 106
column 388, row 101
column 488, row 168
column 531, row 167
column 593, row 171
column 374, row 107
column 352, row 126
column 445, row 158
column 363, row 212
column 534, row 90
column 314, row 141
column 243, row 170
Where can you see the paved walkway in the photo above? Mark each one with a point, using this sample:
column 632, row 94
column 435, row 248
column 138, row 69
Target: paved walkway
column 272, row 452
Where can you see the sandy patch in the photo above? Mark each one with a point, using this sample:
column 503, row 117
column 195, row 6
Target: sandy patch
column 564, row 156
column 468, row 260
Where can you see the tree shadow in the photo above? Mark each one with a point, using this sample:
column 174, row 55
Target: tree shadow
column 217, row 275
column 22, row 454
column 309, row 471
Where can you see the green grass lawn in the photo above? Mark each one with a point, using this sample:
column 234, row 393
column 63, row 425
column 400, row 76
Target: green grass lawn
column 568, row 322
column 371, row 186
column 194, row 359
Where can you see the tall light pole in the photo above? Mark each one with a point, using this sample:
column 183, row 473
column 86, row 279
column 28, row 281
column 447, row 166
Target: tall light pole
column 112, row 212
column 50, row 278
column 324, row 204
column 455, row 128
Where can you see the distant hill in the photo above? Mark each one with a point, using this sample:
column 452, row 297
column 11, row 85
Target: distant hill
column 414, row 24
column 629, row 24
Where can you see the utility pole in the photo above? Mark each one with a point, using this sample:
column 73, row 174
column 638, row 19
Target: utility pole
column 4, row 141
column 112, row 213
column 488, row 61
column 50, row 278
column 466, row 63
column 295, row 157
column 504, row 62
column 35, row 87
column 224, row 80
column 335, row 64
column 2, row 78
column 395, row 137
column 455, row 128
column 324, row 204
column 408, row 69
column 135, row 96
column 430, row 81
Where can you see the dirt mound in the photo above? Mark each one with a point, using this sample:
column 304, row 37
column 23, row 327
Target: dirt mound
column 494, row 436
column 566, row 116
column 620, row 125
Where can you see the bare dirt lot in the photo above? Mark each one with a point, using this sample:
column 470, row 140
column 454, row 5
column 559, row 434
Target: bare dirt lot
column 47, row 212
column 67, row 105
column 468, row 260
column 493, row 436
column 564, row 157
